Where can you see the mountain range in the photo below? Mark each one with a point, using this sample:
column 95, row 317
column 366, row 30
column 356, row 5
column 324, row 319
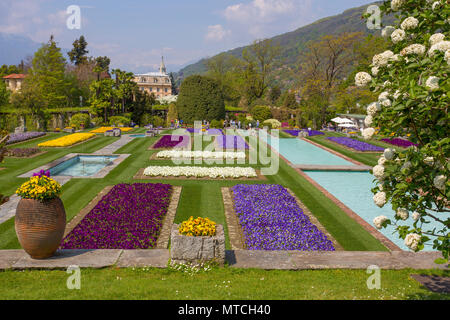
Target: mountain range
column 14, row 48
column 293, row 44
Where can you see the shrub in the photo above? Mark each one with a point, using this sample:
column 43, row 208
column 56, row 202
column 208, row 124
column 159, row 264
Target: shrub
column 261, row 113
column 80, row 120
column 97, row 121
column 200, row 99
column 216, row 124
column 146, row 119
column 274, row 123
column 158, row 121
column 172, row 114
column 119, row 121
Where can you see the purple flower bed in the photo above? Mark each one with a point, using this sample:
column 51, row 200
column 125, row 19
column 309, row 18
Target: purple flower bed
column 19, row 137
column 130, row 216
column 214, row 132
column 355, row 144
column 399, row 142
column 231, row 142
column 272, row 220
column 192, row 130
column 22, row 152
column 311, row 133
column 172, row 141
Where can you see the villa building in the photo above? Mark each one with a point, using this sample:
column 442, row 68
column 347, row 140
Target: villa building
column 14, row 81
column 157, row 83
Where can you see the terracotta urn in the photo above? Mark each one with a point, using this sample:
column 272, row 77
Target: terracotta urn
column 40, row 226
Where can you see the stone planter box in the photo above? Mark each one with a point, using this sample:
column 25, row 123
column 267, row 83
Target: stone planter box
column 197, row 249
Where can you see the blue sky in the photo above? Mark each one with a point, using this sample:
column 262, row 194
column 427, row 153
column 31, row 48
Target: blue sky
column 134, row 33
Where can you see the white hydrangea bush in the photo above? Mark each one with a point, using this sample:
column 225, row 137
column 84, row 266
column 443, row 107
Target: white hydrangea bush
column 411, row 79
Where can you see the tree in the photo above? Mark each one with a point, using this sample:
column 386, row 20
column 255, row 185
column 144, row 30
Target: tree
column 324, row 66
column 102, row 96
column 413, row 86
column 78, row 54
column 124, row 86
column 174, row 85
column 102, row 65
column 4, row 93
column 261, row 113
column 200, row 98
column 258, row 63
column 172, row 114
column 224, row 68
column 274, row 94
column 290, row 101
column 141, row 108
column 48, row 72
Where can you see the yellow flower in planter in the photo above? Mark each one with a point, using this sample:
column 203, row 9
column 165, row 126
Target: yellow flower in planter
column 198, row 227
column 39, row 188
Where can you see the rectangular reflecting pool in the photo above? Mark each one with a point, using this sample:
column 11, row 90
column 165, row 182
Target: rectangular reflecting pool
column 354, row 190
column 299, row 152
column 82, row 166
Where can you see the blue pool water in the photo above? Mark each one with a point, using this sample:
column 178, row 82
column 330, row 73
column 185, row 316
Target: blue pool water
column 82, row 166
column 298, row 151
column 137, row 135
column 354, row 190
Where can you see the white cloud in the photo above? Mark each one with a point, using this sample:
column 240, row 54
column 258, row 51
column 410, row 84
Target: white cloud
column 216, row 33
column 262, row 18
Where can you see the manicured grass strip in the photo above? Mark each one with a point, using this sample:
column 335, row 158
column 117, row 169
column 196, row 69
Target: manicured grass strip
column 218, row 284
column 202, row 200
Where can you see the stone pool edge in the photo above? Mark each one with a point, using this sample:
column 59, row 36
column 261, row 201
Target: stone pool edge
column 100, row 174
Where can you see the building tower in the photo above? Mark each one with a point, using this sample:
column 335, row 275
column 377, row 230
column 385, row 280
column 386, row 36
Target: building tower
column 162, row 68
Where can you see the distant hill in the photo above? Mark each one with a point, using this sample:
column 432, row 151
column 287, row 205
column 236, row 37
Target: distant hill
column 293, row 44
column 14, row 48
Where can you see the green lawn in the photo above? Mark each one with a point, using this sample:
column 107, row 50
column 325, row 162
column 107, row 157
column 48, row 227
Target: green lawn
column 218, row 284
column 199, row 197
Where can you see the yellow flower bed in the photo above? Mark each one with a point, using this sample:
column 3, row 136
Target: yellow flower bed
column 67, row 141
column 39, row 188
column 104, row 129
column 198, row 227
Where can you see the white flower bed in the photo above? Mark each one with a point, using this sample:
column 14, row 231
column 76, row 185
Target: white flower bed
column 169, row 154
column 200, row 172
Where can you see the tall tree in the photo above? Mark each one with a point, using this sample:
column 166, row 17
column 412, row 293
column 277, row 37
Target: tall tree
column 174, row 85
column 4, row 93
column 259, row 59
column 324, row 67
column 102, row 95
column 124, row 86
column 78, row 54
